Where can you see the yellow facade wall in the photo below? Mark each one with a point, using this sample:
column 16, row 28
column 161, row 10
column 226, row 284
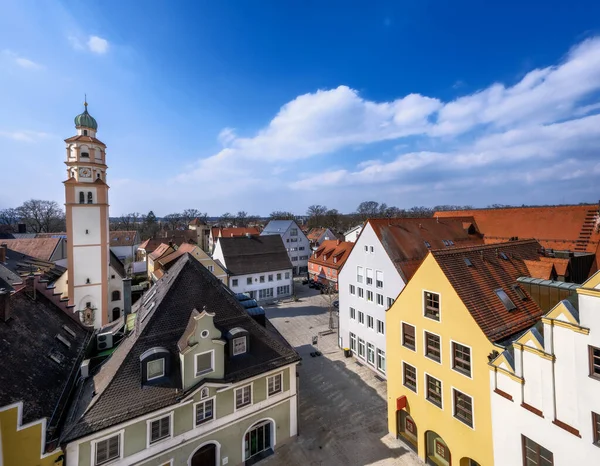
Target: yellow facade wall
column 22, row 445
column 456, row 324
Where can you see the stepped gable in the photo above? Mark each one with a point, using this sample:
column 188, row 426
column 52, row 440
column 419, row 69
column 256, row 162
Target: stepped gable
column 476, row 272
column 115, row 394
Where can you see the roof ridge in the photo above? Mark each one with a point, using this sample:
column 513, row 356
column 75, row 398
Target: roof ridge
column 440, row 252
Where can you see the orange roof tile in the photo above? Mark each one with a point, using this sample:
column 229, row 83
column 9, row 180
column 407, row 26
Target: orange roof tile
column 40, row 248
column 160, row 251
column 476, row 284
column 123, row 238
column 561, row 266
column 332, row 253
column 539, row 269
column 181, row 250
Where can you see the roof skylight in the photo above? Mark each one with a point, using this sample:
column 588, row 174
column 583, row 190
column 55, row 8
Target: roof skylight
column 468, row 262
column 508, row 304
column 427, row 244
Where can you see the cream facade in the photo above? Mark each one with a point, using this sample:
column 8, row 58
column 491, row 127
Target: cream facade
column 544, row 389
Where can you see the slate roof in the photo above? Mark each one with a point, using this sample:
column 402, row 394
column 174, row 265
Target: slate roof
column 332, row 249
column 178, row 237
column 254, row 255
column 278, row 227
column 404, row 239
column 40, row 248
column 123, row 238
column 18, row 265
column 27, row 340
column 475, row 284
column 188, row 286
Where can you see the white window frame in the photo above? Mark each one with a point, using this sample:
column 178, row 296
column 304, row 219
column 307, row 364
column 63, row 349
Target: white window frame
column 370, row 322
column 372, row 347
column 280, row 375
column 382, row 332
column 454, row 389
column 361, row 293
column 440, row 362
column 452, row 360
column 378, row 275
column 352, row 337
column 369, row 293
column 372, row 249
column 93, row 443
column 369, row 277
column 379, row 351
column 423, row 291
column 149, row 422
column 352, row 289
column 352, row 313
column 364, row 355
column 204, row 400
column 245, row 338
column 426, row 388
column 360, row 274
column 235, row 390
column 390, row 302
column 234, row 282
column 402, row 322
column 361, row 318
column 162, row 360
column 379, row 297
column 212, row 363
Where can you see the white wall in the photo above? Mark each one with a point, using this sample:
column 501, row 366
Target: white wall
column 86, row 219
column 124, row 252
column 114, row 284
column 353, row 236
column 243, row 287
column 392, row 285
column 290, row 242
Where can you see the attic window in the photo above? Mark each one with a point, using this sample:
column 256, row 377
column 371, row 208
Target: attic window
column 520, row 293
column 56, row 357
column 239, row 345
column 503, row 256
column 508, row 304
column 468, row 262
column 69, row 331
column 63, row 340
column 450, row 242
column 155, row 369
column 445, row 242
column 427, row 244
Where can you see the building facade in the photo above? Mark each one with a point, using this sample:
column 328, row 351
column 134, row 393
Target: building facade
column 326, row 263
column 544, row 388
column 295, row 241
column 233, row 232
column 353, row 233
column 316, row 236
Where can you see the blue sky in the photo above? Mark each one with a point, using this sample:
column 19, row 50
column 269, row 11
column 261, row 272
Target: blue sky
column 270, row 105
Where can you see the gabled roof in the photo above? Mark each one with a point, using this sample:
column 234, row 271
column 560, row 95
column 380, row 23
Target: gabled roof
column 20, row 265
column 279, row 227
column 117, row 265
column 160, row 251
column 315, row 234
column 40, row 248
column 123, row 238
column 116, row 394
column 181, row 250
column 30, row 348
column 254, row 255
column 540, row 269
column 150, row 245
column 233, row 232
column 408, row 240
column 332, row 253
column 476, row 284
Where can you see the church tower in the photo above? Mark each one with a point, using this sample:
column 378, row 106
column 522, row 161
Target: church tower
column 86, row 205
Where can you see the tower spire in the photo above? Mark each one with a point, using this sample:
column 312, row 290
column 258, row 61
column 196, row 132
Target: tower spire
column 85, row 104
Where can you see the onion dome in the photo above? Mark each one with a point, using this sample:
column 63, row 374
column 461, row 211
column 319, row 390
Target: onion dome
column 86, row 120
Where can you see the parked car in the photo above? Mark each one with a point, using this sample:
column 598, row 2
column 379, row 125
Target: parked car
column 336, row 304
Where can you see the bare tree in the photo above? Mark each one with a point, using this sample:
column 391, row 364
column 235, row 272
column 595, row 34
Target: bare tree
column 226, row 219
column 367, row 209
column 9, row 217
column 315, row 215
column 149, row 226
column 281, row 215
column 190, row 214
column 173, row 221
column 241, row 219
column 128, row 222
column 42, row 216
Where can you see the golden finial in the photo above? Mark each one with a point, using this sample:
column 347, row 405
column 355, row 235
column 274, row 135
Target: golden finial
column 85, row 100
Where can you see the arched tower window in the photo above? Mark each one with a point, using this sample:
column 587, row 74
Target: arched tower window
column 116, row 295
column 90, row 199
column 82, row 197
column 85, row 132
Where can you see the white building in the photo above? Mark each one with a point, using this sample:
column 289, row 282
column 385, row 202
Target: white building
column 384, row 258
column 257, row 265
column 353, row 233
column 124, row 244
column 295, row 241
column 546, row 388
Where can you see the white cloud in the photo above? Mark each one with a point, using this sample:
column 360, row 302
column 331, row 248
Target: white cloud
column 97, row 45
column 24, row 136
column 21, row 61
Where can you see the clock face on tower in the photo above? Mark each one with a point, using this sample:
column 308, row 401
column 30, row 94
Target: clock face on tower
column 85, row 172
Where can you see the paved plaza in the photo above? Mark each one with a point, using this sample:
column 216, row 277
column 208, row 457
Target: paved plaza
column 342, row 409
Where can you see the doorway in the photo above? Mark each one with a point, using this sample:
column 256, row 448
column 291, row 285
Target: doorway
column 258, row 441
column 205, row 456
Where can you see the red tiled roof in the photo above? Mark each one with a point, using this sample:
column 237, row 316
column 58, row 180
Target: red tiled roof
column 160, row 251
column 332, row 253
column 181, row 250
column 123, row 238
column 234, row 232
column 150, row 245
column 539, row 269
column 40, row 248
column 560, row 265
column 315, row 233
column 82, row 138
column 404, row 239
column 475, row 284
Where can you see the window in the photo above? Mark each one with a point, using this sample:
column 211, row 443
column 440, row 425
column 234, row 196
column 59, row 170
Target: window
column 534, row 454
column 294, row 232
column 381, row 361
column 361, row 292
column 295, row 259
column 301, row 248
column 274, row 384
column 211, row 268
column 596, row 428
column 434, row 390
column 116, row 295
column 239, row 345
column 270, row 277
column 353, row 342
column 369, row 295
column 594, row 362
column 82, row 197
column 461, row 358
column 508, row 304
column 359, row 274
column 353, row 313
column 160, row 429
column 379, row 299
column 303, row 258
column 409, row 377
column 283, row 290
column 204, row 363
column 408, row 336
column 155, row 369
column 108, row 449
column 90, row 198
column 243, row 396
column 427, row 245
column 369, row 276
column 432, row 346
column 249, row 281
column 379, row 279
column 279, row 276
column 205, row 411
column 262, row 279
column 287, row 275
column 380, row 327
column 370, row 354
column 85, row 154
column 370, row 322
column 361, row 348
column 361, row 317
column 366, row 248
column 390, row 302
column 352, row 289
column 432, row 305
column 266, row 293
column 463, row 408
column 234, row 282
column 371, row 249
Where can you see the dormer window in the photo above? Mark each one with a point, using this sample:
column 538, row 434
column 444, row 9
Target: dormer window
column 156, row 364
column 239, row 345
column 155, row 369
column 238, row 341
column 204, row 363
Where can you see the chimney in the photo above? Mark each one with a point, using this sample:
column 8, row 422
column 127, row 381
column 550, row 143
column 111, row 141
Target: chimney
column 171, row 243
column 3, row 248
column 126, row 298
column 31, row 283
column 337, row 242
column 4, row 305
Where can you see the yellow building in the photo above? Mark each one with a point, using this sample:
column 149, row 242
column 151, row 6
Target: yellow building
column 461, row 306
column 168, row 260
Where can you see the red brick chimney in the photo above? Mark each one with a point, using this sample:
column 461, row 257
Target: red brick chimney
column 4, row 305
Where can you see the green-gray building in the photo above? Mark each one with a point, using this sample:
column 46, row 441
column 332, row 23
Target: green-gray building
column 197, row 382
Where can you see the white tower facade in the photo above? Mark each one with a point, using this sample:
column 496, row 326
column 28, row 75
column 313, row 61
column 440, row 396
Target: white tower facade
column 86, row 205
